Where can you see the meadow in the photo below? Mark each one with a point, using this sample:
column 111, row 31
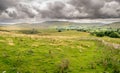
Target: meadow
column 51, row 51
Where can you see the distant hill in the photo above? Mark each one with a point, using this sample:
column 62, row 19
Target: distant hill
column 59, row 23
column 53, row 24
column 112, row 25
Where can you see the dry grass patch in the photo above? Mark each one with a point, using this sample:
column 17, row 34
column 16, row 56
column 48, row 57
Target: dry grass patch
column 2, row 41
column 35, row 45
column 59, row 49
column 10, row 42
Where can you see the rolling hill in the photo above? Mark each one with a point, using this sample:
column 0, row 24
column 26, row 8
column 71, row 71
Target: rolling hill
column 52, row 24
column 113, row 25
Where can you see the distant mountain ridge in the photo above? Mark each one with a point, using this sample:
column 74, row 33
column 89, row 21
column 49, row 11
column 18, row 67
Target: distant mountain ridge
column 51, row 24
column 57, row 24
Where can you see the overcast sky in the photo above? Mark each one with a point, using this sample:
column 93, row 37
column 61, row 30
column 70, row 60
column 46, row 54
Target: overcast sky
column 58, row 9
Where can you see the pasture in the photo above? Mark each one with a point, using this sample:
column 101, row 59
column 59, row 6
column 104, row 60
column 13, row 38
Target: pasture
column 50, row 51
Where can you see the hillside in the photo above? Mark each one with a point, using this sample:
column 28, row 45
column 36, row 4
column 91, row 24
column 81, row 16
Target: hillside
column 52, row 24
column 112, row 25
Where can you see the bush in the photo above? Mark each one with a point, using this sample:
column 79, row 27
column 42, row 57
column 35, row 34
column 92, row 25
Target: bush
column 100, row 34
column 118, row 30
column 82, row 30
column 107, row 33
column 59, row 30
column 114, row 35
column 92, row 33
column 63, row 66
column 33, row 31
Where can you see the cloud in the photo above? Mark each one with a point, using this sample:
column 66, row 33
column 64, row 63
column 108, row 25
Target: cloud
column 53, row 10
column 98, row 8
column 111, row 9
column 59, row 9
column 4, row 4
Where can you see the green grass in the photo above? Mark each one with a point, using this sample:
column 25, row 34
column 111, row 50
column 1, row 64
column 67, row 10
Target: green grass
column 25, row 54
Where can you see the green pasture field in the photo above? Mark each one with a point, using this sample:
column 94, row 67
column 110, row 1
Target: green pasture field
column 50, row 51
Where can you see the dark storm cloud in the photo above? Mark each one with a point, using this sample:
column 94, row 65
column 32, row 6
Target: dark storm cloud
column 98, row 8
column 59, row 9
column 4, row 4
column 118, row 1
column 54, row 10
column 25, row 10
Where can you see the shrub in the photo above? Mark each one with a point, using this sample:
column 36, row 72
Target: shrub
column 93, row 66
column 82, row 30
column 33, row 31
column 59, row 30
column 114, row 35
column 92, row 33
column 100, row 34
column 63, row 66
column 107, row 33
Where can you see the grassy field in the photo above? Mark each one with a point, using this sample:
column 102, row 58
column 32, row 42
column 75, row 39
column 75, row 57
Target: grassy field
column 50, row 51
column 24, row 48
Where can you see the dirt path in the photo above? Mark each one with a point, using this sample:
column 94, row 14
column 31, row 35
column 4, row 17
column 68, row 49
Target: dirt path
column 114, row 45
